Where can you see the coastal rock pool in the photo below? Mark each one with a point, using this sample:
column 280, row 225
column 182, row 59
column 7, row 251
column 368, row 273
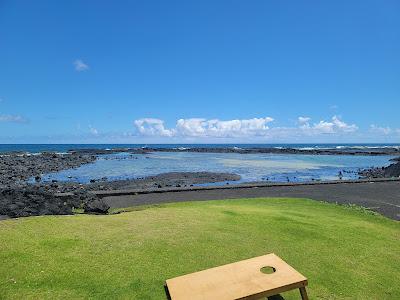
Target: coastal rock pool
column 251, row 167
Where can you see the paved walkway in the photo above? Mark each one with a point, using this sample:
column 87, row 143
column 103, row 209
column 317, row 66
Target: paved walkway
column 383, row 197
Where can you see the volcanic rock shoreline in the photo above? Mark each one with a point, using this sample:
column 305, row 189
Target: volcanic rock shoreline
column 16, row 168
column 19, row 198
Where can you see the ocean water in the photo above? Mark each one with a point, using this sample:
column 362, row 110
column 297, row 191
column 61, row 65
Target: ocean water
column 251, row 167
column 35, row 148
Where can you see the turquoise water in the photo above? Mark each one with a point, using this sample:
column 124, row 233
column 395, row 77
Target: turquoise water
column 251, row 167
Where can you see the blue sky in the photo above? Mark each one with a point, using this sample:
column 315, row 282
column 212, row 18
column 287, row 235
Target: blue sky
column 199, row 71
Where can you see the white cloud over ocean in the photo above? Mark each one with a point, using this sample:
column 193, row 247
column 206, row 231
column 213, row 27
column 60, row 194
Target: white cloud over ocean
column 199, row 127
column 335, row 125
column 204, row 128
column 241, row 128
column 382, row 130
column 152, row 127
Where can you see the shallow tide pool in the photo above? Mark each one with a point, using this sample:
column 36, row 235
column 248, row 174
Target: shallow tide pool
column 251, row 167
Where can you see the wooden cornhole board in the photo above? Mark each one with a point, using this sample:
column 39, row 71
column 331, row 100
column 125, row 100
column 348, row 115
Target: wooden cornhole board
column 240, row 280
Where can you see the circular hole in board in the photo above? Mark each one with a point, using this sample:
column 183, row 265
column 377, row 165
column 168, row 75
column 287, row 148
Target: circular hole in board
column 267, row 270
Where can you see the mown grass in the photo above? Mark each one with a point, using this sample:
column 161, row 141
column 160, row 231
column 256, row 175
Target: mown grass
column 345, row 253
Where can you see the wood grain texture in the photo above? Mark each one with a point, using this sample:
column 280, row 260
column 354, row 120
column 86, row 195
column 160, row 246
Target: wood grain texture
column 240, row 280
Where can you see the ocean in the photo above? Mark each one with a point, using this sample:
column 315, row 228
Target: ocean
column 35, row 148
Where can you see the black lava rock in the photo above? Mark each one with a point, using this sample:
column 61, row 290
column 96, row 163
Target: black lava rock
column 393, row 170
column 97, row 206
column 29, row 201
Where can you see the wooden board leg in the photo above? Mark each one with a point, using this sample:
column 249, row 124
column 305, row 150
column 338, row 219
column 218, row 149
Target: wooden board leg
column 303, row 293
column 167, row 292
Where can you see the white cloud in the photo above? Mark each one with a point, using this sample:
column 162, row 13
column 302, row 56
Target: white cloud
column 80, row 65
column 328, row 127
column 93, row 130
column 342, row 126
column 324, row 127
column 199, row 127
column 13, row 119
column 249, row 129
column 245, row 128
column 217, row 128
column 380, row 130
column 191, row 127
column 152, row 127
column 303, row 120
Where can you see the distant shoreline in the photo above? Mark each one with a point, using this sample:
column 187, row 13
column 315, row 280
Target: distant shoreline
column 250, row 150
column 327, row 149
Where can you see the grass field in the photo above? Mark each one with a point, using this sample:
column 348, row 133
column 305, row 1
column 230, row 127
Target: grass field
column 346, row 253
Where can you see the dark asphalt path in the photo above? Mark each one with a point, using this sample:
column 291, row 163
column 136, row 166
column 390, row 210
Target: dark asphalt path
column 382, row 197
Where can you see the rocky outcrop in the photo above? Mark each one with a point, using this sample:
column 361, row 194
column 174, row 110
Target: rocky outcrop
column 17, row 168
column 28, row 201
column 35, row 201
column 96, row 206
column 393, row 170
column 385, row 172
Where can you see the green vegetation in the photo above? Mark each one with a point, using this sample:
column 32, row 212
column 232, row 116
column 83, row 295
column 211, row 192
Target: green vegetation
column 346, row 253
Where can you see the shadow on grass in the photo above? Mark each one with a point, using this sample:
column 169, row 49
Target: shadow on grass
column 276, row 297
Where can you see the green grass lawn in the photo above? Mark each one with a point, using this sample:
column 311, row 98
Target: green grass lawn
column 346, row 253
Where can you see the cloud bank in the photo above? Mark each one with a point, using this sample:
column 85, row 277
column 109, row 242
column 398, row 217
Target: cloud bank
column 204, row 128
column 216, row 128
column 326, row 127
column 245, row 128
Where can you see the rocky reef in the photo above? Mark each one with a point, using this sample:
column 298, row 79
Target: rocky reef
column 392, row 170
